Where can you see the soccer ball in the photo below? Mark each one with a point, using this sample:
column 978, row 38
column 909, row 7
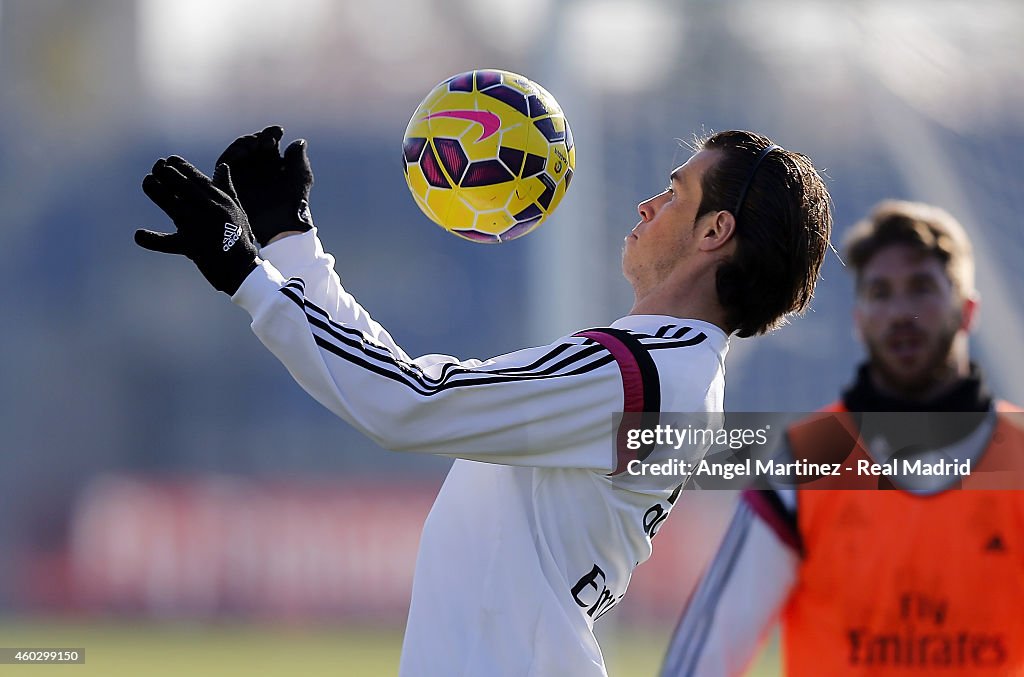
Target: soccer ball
column 488, row 155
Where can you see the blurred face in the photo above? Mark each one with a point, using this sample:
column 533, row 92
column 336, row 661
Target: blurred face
column 908, row 315
column 663, row 238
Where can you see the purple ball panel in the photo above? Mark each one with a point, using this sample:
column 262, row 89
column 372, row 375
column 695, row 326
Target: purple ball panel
column 512, row 157
column 547, row 128
column 463, row 82
column 452, row 157
column 477, row 236
column 528, row 214
column 534, row 165
column 549, row 191
column 486, row 78
column 486, row 173
column 432, row 171
column 512, row 97
column 520, row 229
column 413, row 148
column 537, row 107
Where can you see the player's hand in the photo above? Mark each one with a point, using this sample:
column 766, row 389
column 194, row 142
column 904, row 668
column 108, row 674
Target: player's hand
column 273, row 188
column 212, row 228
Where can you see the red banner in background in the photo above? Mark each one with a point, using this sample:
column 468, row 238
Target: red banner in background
column 223, row 546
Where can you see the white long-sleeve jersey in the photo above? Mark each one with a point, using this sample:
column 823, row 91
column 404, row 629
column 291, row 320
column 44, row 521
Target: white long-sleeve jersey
column 530, row 539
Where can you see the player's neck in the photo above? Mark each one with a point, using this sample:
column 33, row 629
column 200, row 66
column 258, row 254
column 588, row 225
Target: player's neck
column 697, row 299
column 946, row 377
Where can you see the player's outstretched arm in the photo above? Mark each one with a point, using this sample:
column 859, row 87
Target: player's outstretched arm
column 212, row 229
column 302, row 256
column 740, row 594
column 547, row 406
column 274, row 190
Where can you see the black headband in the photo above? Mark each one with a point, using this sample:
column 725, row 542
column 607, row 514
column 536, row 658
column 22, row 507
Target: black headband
column 750, row 179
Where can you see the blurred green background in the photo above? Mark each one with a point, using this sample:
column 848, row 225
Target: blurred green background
column 117, row 649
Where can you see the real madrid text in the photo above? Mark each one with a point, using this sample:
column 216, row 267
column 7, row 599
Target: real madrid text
column 758, row 467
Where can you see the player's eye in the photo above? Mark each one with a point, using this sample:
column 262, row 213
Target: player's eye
column 877, row 293
column 922, row 287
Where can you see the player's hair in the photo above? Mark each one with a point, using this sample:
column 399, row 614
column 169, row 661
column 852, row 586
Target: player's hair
column 928, row 229
column 783, row 225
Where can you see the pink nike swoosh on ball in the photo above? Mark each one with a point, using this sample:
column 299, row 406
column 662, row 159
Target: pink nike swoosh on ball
column 486, row 119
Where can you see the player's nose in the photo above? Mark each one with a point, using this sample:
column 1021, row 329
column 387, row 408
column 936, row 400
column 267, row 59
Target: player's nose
column 646, row 209
column 901, row 308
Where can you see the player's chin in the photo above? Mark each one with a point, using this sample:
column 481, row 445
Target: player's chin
column 627, row 254
column 627, row 242
column 626, row 266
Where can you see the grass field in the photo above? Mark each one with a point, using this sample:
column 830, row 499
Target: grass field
column 144, row 648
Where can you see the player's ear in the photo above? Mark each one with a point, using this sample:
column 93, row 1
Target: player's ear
column 968, row 312
column 716, row 230
column 858, row 322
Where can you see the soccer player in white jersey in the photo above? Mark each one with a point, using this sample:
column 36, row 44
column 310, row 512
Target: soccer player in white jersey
column 537, row 528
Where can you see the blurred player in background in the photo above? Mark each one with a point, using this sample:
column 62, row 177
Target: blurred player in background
column 537, row 529
column 928, row 581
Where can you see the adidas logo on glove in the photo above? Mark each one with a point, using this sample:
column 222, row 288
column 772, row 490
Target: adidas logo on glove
column 231, row 235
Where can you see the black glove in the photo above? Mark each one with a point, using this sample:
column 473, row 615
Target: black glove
column 212, row 228
column 273, row 189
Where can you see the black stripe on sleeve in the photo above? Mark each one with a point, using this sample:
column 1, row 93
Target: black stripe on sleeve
column 448, row 370
column 454, row 376
column 686, row 343
column 434, row 390
column 683, row 331
column 354, row 347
